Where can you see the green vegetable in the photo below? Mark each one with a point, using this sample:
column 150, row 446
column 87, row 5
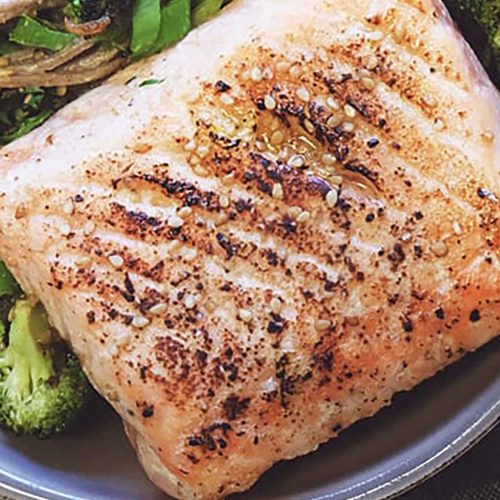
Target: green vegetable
column 88, row 10
column 146, row 20
column 205, row 10
column 153, row 81
column 42, row 389
column 8, row 285
column 175, row 23
column 31, row 32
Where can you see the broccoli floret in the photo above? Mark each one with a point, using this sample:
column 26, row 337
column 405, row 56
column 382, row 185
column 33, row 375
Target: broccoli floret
column 42, row 387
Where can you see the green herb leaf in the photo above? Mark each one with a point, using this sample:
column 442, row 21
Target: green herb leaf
column 175, row 23
column 29, row 31
column 153, row 81
column 27, row 125
column 205, row 10
column 8, row 285
column 146, row 20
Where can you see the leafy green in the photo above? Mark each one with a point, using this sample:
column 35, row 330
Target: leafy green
column 8, row 284
column 152, row 81
column 33, row 33
column 175, row 23
column 205, row 10
column 146, row 20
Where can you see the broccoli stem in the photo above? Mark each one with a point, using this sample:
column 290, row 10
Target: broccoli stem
column 32, row 364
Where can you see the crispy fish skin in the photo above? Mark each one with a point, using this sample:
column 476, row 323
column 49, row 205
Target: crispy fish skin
column 293, row 219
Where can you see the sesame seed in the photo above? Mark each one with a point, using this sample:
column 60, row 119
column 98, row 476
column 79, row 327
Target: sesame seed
column 116, row 260
column 297, row 161
column 190, row 301
column 295, row 71
column 278, row 191
column 349, row 111
column 371, row 62
column 140, row 321
column 190, row 146
column 201, row 171
column 348, row 127
column 429, row 101
column 303, row 94
column 332, row 198
column 439, row 124
column 295, row 211
column 377, row 36
column 224, row 201
column 457, row 228
column 336, row 180
column 159, row 309
column 277, row 138
column 440, row 249
column 256, row 74
column 82, row 261
column 185, row 212
column 227, row 99
column 142, row 148
column 69, row 207
column 321, row 325
column 203, row 151
column 65, row 229
column 368, row 83
column 61, row 91
column 269, row 102
column 221, row 219
column 21, row 211
column 268, row 74
column 309, row 126
column 333, row 104
column 276, row 306
column 245, row 315
column 88, row 228
column 334, row 121
column 190, row 254
column 175, row 222
column 283, row 66
column 328, row 159
column 304, row 217
column 399, row 32
column 323, row 55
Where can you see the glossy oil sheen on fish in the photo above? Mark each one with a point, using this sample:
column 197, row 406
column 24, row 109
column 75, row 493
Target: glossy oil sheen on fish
column 296, row 218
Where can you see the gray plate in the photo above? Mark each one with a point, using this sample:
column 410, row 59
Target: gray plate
column 422, row 432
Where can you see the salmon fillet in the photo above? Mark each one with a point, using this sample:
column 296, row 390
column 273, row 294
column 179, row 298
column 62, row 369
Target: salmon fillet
column 257, row 238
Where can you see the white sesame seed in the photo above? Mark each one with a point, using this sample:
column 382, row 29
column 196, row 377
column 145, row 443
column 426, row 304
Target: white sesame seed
column 457, row 228
column 227, row 99
column 190, row 146
column 377, row 36
column 333, row 104
column 348, row 127
column 185, row 212
column 88, row 228
column 323, row 55
column 297, row 161
column 190, row 254
column 276, row 306
column 82, row 261
column 277, row 138
column 368, row 83
column 116, row 260
column 269, row 102
column 175, row 222
column 321, row 325
column 334, row 121
column 304, row 217
column 440, row 249
column 349, row 111
column 295, row 211
column 295, row 71
column 69, row 207
column 429, row 101
column 439, row 124
column 278, row 191
column 328, row 160
column 256, row 74
column 224, row 201
column 268, row 74
column 159, row 309
column 303, row 94
column 203, row 151
column 332, row 198
column 337, row 180
column 201, row 171
column 65, row 229
column 140, row 321
column 371, row 62
column 190, row 301
column 283, row 66
column 245, row 315
column 308, row 124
